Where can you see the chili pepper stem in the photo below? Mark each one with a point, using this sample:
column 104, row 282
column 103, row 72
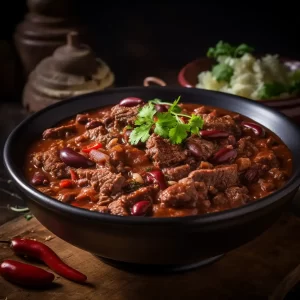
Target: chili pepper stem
column 5, row 242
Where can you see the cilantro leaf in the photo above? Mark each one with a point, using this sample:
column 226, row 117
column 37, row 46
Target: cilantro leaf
column 165, row 121
column 178, row 133
column 295, row 82
column 174, row 107
column 163, row 131
column 195, row 124
column 220, row 49
column 242, row 49
column 140, row 134
column 225, row 49
column 270, row 90
column 222, row 72
column 145, row 114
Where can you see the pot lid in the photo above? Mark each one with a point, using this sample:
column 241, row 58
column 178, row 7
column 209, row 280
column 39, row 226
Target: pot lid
column 73, row 66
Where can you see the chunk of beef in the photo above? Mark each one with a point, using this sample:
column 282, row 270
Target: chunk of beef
column 220, row 177
column 163, row 153
column 51, row 163
column 245, row 147
column 200, row 148
column 278, row 174
column 67, row 197
column 253, row 173
column 124, row 115
column 201, row 110
column 266, row 185
column 219, row 199
column 102, row 180
column 87, row 193
column 186, row 194
column 243, row 163
column 100, row 208
column 118, row 208
column 98, row 134
column 237, row 195
column 230, row 140
column 144, row 193
column 177, row 173
column 60, row 132
column 224, row 123
column 233, row 197
column 266, row 157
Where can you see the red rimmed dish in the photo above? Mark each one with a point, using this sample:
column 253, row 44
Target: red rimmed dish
column 188, row 77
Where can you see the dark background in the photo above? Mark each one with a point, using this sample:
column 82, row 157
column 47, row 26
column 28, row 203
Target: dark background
column 147, row 38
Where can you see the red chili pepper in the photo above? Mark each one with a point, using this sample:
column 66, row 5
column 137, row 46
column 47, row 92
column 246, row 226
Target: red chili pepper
column 24, row 274
column 90, row 147
column 73, row 175
column 66, row 183
column 42, row 252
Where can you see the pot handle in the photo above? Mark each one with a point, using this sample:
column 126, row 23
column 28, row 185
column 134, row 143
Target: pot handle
column 155, row 80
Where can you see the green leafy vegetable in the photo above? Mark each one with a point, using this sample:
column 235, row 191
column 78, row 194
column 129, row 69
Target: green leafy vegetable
column 28, row 217
column 168, row 124
column 140, row 133
column 295, row 82
column 222, row 72
column 195, row 123
column 242, row 49
column 178, row 133
column 270, row 90
column 225, row 49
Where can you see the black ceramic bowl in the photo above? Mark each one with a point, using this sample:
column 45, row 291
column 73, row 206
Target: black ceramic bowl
column 142, row 240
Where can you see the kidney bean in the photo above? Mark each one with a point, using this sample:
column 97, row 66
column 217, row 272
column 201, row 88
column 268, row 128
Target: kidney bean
column 93, row 124
column 257, row 129
column 131, row 101
column 82, row 119
column 194, row 149
column 74, row 159
column 158, row 177
column 39, row 178
column 214, row 134
column 24, row 274
column 140, row 208
column 224, row 155
column 161, row 108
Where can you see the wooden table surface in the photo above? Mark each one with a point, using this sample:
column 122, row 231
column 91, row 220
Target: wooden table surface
column 251, row 272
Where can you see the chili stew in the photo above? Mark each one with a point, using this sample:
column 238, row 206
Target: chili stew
column 158, row 159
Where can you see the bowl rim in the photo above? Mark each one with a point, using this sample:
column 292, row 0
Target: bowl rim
column 185, row 83
column 66, row 209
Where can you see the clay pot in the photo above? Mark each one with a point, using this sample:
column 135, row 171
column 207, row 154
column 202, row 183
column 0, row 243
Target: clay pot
column 43, row 30
column 72, row 70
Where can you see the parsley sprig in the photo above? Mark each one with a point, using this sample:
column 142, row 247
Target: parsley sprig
column 168, row 124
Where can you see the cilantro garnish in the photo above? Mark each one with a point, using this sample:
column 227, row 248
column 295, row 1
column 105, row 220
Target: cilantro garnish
column 273, row 89
column 168, row 124
column 225, row 49
column 222, row 72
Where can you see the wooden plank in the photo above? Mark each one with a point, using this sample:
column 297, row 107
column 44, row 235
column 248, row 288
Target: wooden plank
column 250, row 272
